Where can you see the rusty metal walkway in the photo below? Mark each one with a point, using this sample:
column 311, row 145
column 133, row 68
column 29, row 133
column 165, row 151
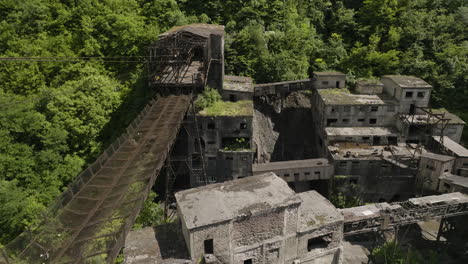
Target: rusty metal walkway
column 89, row 222
column 384, row 216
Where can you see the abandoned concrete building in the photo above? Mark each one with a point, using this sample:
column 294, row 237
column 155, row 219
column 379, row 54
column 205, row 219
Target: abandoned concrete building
column 259, row 219
column 378, row 137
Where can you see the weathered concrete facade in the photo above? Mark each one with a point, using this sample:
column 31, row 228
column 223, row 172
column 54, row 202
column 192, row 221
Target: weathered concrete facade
column 322, row 80
column 409, row 91
column 223, row 220
column 431, row 167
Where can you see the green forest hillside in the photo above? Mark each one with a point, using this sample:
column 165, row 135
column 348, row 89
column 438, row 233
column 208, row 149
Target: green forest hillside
column 56, row 116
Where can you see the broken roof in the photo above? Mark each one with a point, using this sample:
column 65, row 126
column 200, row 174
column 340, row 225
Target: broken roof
column 405, row 81
column 204, row 30
column 361, row 131
column 443, row 158
column 316, row 211
column 221, row 202
column 337, row 96
column 453, row 146
column 292, row 164
column 238, row 83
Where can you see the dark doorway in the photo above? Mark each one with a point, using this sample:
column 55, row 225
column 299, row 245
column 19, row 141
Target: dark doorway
column 208, row 246
column 376, row 141
column 248, row 261
column 392, row 140
column 412, row 109
column 337, row 84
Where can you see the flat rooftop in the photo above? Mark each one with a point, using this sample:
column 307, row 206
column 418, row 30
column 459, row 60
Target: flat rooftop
column 338, row 96
column 226, row 108
column 424, row 118
column 316, row 211
column 204, row 30
column 222, row 202
column 361, row 131
column 406, row 81
column 292, row 164
column 453, row 146
column 443, row 158
column 238, row 83
column 363, row 151
column 455, row 179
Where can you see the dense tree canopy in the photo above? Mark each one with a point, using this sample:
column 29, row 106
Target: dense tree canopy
column 57, row 116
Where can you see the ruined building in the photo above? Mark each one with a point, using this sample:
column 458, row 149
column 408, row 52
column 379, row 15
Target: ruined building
column 259, row 219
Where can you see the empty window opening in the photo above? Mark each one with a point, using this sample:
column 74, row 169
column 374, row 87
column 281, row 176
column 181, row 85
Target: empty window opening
column 211, row 142
column 235, row 144
column 211, row 126
column 286, row 175
column 447, row 186
column 248, row 261
column 306, row 173
column 374, row 108
column 347, row 108
column 211, row 158
column 412, row 109
column 346, row 121
column 337, row 84
column 365, row 138
column 372, row 121
column 446, row 170
column 296, row 174
column 409, row 95
column 229, row 158
column 382, row 200
column 421, row 94
column 232, row 98
column 376, row 141
column 363, row 108
column 343, row 163
column 317, row 173
column 325, row 82
column 243, row 125
column 333, row 109
column 331, row 121
column 361, row 120
column 319, row 242
column 208, row 246
column 273, row 253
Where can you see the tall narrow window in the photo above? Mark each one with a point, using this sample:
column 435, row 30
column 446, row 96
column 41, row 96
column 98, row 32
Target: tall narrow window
column 208, row 245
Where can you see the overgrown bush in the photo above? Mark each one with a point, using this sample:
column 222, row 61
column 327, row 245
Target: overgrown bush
column 207, row 98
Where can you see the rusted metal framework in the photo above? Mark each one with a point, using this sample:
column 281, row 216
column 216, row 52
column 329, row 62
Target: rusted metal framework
column 179, row 59
column 89, row 222
column 402, row 213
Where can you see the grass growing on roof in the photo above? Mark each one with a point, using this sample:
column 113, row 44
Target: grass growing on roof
column 222, row 108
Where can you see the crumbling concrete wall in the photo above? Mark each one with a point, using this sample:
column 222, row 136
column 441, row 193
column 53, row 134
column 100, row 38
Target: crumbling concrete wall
column 283, row 128
column 255, row 229
column 220, row 233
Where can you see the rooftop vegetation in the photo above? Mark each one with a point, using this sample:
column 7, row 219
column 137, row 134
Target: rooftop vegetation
column 209, row 103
